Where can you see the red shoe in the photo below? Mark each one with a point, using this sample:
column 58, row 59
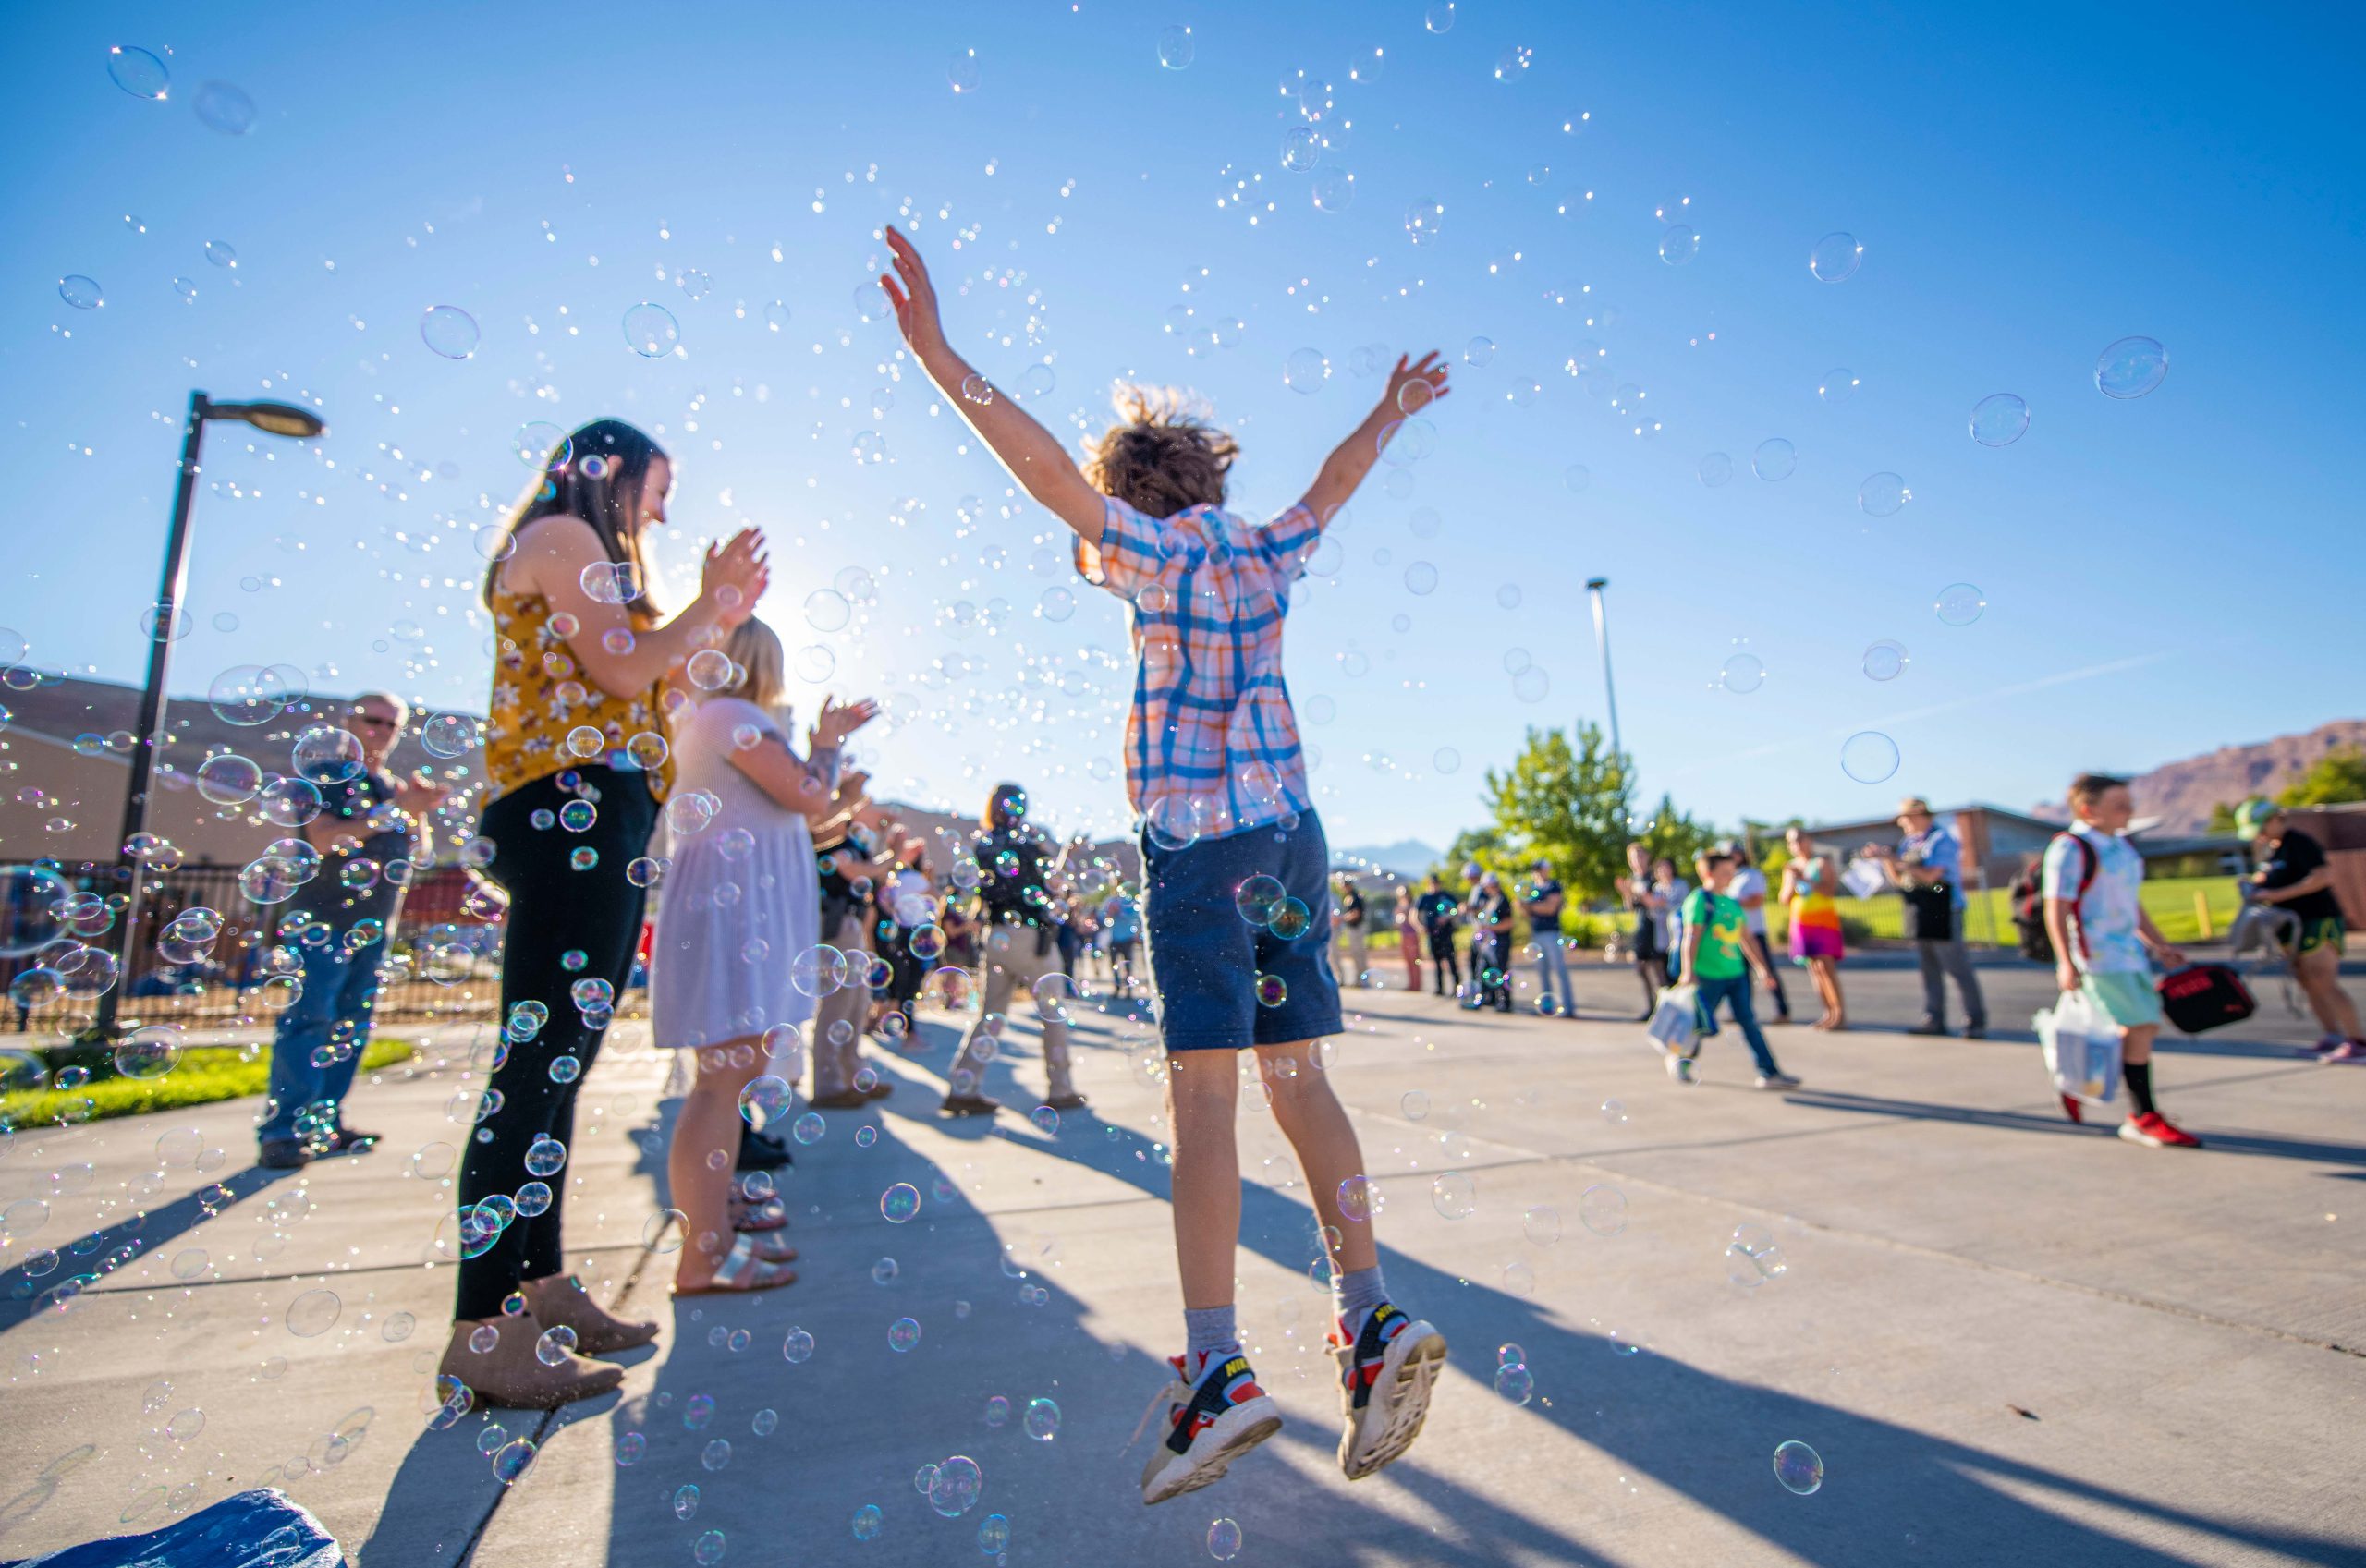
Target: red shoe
column 2156, row 1131
column 2071, row 1109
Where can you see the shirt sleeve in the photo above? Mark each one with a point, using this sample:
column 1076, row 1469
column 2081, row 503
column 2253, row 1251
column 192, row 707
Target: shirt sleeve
column 1127, row 558
column 2057, row 880
column 1290, row 540
column 2296, row 858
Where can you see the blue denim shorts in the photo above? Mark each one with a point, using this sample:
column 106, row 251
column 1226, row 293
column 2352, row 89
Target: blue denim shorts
column 1206, row 960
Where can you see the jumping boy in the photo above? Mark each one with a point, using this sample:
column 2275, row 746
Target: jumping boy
column 2091, row 884
column 1238, row 908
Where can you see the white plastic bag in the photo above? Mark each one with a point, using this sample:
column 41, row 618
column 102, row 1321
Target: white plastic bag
column 1675, row 1022
column 2081, row 1048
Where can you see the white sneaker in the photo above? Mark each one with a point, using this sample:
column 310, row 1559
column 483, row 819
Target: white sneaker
column 1206, row 1426
column 1777, row 1080
column 1681, row 1067
column 1385, row 1381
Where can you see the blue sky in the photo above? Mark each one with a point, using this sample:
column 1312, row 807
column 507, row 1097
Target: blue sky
column 2162, row 576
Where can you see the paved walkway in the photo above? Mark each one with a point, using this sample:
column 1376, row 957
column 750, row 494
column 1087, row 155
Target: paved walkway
column 2009, row 1339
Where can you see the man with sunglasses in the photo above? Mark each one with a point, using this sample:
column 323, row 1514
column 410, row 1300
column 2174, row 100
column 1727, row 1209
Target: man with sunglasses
column 364, row 835
column 1927, row 869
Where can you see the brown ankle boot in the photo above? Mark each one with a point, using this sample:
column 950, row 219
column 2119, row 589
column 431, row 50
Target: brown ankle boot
column 509, row 1374
column 562, row 1300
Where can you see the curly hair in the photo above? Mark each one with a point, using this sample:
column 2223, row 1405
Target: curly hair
column 1162, row 456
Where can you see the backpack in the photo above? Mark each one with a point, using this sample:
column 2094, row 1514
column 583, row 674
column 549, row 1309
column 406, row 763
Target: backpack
column 2027, row 894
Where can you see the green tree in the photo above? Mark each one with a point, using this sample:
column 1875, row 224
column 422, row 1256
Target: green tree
column 1484, row 845
column 2222, row 817
column 1566, row 804
column 1675, row 835
column 2337, row 776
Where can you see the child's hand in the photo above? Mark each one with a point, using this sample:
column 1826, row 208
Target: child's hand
column 837, row 723
column 1413, row 388
column 915, row 302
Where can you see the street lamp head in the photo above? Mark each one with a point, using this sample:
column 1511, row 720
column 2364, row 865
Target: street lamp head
column 274, row 419
column 1597, row 582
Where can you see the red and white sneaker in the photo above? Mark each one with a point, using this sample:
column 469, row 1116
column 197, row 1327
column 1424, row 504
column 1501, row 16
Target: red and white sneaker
column 2073, row 1110
column 1385, row 1374
column 1215, row 1413
column 2348, row 1050
column 2157, row 1131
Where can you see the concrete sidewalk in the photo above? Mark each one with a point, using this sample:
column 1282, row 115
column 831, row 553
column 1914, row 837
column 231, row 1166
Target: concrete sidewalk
column 2010, row 1340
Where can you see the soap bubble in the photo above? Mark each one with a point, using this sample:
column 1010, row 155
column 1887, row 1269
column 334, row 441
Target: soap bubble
column 1883, row 496
column 797, row 1347
column 449, row 331
column 1743, row 673
column 899, row 1203
column 961, row 71
column 1799, row 1467
column 1455, row 1194
column 903, row 1334
column 224, row 108
column 2130, row 367
column 1359, row 1197
column 1043, row 1419
column 826, row 609
column 1514, row 1381
column 1422, row 220
column 765, row 1100
column 1302, row 148
column 1885, row 661
column 1421, row 577
column 1679, row 244
column 994, row 1535
column 1439, row 18
column 1541, row 1225
column 82, row 293
column 1577, row 477
column 1513, row 63
column 313, row 1313
column 1602, row 1210
column 1334, row 190
column 1869, row 756
column 807, row 1128
column 1960, row 603
column 867, row 1521
column 1257, row 898
column 229, row 778
column 1305, row 371
column 1838, row 386
column 651, row 329
column 1174, row 48
column 1834, row 258
column 1999, row 419
column 1715, row 469
column 137, row 72
column 1223, row 1534
column 1775, row 459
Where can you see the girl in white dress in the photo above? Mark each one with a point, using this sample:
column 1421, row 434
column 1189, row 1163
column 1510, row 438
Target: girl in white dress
column 740, row 901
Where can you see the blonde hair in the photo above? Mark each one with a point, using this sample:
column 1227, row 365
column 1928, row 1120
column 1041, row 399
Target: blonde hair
column 1162, row 456
column 759, row 669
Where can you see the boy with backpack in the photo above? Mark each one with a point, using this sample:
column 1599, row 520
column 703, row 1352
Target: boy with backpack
column 1238, row 908
column 2096, row 924
column 1717, row 957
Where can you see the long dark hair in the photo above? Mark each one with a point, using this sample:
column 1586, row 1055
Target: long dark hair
column 598, row 477
column 1004, row 808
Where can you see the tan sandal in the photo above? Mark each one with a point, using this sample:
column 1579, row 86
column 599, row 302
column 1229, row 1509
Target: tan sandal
column 561, row 1300
column 511, row 1374
column 741, row 1271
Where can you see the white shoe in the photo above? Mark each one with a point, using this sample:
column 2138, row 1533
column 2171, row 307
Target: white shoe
column 1777, row 1080
column 1681, row 1067
column 1206, row 1426
column 1385, row 1381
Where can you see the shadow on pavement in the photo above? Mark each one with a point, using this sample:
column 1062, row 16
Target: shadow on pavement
column 2226, row 1141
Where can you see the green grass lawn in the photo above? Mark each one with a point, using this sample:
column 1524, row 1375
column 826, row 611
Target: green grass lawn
column 203, row 1075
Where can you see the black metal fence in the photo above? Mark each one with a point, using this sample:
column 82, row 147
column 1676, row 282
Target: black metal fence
column 442, row 963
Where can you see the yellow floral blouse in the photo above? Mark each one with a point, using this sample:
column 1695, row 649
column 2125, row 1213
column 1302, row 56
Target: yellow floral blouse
column 545, row 715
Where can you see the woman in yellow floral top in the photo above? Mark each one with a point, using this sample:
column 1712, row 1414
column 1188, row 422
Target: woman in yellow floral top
column 575, row 759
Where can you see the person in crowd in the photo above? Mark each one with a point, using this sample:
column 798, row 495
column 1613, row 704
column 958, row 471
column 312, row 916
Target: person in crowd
column 1669, row 889
column 575, row 766
column 2094, row 915
column 2293, row 873
column 1148, row 514
column 1349, row 952
column 1540, row 899
column 961, row 948
column 1748, row 890
column 1716, row 958
column 1407, row 921
column 907, row 901
column 740, row 901
column 852, row 862
column 1122, row 916
column 1635, row 897
column 1441, row 912
column 1020, row 902
column 1809, row 879
column 1927, row 869
column 1066, row 938
column 371, row 821
column 1490, row 943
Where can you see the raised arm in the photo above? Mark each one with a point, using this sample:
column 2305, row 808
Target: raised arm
column 1032, row 454
column 1347, row 465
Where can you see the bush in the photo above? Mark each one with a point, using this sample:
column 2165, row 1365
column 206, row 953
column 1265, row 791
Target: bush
column 203, row 1076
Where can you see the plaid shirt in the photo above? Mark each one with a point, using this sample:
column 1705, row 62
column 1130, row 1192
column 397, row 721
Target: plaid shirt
column 1212, row 745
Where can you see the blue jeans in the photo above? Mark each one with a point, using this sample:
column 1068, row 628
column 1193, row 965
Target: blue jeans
column 333, row 1010
column 1734, row 991
column 1551, row 961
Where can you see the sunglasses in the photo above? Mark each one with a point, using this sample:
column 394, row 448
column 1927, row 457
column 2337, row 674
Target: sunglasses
column 364, row 720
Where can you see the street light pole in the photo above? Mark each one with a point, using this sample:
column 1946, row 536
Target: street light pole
column 1601, row 644
column 277, row 419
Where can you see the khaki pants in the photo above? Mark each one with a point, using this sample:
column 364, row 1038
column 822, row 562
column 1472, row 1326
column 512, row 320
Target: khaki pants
column 834, row 1065
column 1348, row 949
column 1007, row 955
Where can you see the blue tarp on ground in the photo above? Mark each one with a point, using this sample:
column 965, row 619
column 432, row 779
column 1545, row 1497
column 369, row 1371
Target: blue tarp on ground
column 252, row 1529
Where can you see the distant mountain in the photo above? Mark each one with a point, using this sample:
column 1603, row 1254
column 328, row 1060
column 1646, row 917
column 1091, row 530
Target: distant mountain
column 2181, row 793
column 1407, row 856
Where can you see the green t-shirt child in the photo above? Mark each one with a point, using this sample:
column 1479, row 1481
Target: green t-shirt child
column 1719, row 921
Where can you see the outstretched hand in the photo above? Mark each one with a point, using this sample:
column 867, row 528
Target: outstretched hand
column 1413, row 387
column 734, row 576
column 915, row 300
column 837, row 723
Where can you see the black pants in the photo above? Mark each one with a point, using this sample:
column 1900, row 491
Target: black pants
column 1773, row 974
column 555, row 911
column 1490, row 953
column 1444, row 959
